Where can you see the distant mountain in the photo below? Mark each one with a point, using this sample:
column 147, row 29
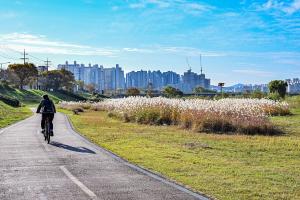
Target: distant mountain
column 229, row 88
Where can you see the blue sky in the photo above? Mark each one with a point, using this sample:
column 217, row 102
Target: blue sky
column 240, row 41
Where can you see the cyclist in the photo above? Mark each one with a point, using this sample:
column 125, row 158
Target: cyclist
column 47, row 108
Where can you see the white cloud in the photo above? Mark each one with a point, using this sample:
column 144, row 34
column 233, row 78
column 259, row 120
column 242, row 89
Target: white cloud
column 283, row 6
column 115, row 8
column 186, row 6
column 138, row 5
column 189, row 51
column 41, row 44
column 8, row 15
column 294, row 7
column 196, row 8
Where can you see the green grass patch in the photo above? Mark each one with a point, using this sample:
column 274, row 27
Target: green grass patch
column 33, row 97
column 10, row 115
column 290, row 124
column 223, row 166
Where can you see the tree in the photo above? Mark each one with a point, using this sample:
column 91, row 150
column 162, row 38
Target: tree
column 91, row 88
column 58, row 79
column 149, row 90
column 257, row 94
column 52, row 79
column 132, row 92
column 278, row 86
column 171, row 92
column 199, row 90
column 68, row 79
column 80, row 85
column 24, row 73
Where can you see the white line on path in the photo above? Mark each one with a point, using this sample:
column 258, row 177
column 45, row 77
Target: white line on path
column 77, row 182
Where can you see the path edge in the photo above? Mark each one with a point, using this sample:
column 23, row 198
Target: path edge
column 135, row 167
column 2, row 130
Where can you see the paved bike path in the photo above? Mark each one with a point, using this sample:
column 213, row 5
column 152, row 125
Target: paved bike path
column 71, row 168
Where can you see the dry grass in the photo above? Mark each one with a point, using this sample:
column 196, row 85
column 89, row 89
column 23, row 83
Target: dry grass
column 245, row 116
column 229, row 167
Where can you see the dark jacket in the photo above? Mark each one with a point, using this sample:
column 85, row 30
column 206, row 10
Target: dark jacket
column 46, row 106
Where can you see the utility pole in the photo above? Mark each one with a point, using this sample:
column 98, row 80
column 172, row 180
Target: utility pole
column 47, row 63
column 24, row 57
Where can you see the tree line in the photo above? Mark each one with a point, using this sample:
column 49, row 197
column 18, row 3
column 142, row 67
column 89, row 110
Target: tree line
column 20, row 75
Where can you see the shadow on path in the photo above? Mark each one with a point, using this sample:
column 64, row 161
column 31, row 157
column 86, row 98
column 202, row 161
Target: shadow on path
column 71, row 148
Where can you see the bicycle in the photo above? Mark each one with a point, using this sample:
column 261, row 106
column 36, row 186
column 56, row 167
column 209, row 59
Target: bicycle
column 47, row 132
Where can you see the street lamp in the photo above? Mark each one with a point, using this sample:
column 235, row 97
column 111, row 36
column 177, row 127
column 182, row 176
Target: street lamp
column 221, row 85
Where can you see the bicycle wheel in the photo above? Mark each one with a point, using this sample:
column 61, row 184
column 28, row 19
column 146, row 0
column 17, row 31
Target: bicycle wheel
column 45, row 131
column 48, row 131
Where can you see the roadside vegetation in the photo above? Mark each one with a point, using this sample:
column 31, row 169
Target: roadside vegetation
column 222, row 166
column 10, row 115
column 241, row 116
column 33, row 97
column 15, row 103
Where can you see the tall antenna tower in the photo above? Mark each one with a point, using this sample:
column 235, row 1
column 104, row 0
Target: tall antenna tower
column 201, row 63
column 187, row 62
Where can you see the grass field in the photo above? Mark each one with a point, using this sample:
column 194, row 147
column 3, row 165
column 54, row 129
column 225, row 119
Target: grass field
column 221, row 166
column 10, row 115
column 33, row 97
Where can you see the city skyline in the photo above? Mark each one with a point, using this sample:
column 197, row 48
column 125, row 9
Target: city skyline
column 240, row 42
column 114, row 78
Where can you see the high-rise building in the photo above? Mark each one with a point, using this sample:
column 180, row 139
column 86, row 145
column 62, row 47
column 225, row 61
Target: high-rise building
column 170, row 78
column 192, row 80
column 156, row 79
column 102, row 78
column 120, row 79
column 293, row 86
column 74, row 68
column 137, row 79
column 112, row 79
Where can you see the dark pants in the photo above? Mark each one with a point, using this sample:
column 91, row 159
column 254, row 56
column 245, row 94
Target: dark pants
column 44, row 116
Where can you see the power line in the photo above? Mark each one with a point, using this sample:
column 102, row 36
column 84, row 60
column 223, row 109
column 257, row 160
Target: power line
column 35, row 58
column 25, row 54
column 6, row 47
column 7, row 57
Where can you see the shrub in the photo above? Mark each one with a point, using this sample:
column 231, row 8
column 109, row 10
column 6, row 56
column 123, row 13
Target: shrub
column 274, row 96
column 10, row 101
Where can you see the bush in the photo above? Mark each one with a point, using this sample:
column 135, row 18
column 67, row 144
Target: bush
column 73, row 95
column 274, row 96
column 278, row 86
column 257, row 94
column 10, row 101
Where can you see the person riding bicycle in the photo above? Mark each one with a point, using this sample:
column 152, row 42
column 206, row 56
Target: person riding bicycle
column 47, row 108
